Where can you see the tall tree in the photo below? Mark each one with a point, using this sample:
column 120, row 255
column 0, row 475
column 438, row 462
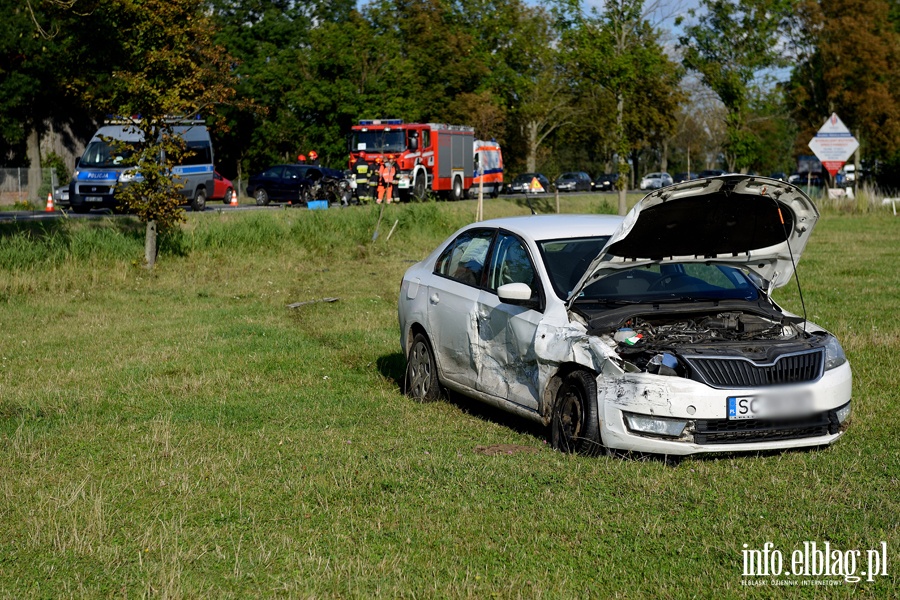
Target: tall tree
column 616, row 51
column 731, row 44
column 847, row 52
column 166, row 65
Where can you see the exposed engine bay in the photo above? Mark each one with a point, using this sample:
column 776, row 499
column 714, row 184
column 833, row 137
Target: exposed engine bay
column 658, row 345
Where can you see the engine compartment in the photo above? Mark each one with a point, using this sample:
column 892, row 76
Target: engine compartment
column 657, row 345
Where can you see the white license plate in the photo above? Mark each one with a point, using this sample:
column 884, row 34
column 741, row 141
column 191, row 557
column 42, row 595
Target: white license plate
column 768, row 406
column 93, row 198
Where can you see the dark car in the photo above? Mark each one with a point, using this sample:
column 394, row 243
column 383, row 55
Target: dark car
column 606, row 182
column 576, row 181
column 711, row 173
column 682, row 177
column 297, row 183
column 522, row 184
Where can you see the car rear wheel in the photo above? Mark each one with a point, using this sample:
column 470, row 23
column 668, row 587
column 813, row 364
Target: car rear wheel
column 421, row 371
column 199, row 202
column 228, row 195
column 262, row 198
column 574, row 422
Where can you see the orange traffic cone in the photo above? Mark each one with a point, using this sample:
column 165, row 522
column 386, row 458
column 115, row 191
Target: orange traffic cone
column 234, row 200
column 49, row 202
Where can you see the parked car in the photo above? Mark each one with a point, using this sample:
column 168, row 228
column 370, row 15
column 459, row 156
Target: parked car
column 223, row 189
column 522, row 183
column 651, row 333
column 576, row 181
column 779, row 175
column 682, row 177
column 654, row 181
column 297, row 184
column 711, row 173
column 606, row 182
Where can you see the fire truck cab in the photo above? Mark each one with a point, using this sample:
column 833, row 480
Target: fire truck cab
column 431, row 157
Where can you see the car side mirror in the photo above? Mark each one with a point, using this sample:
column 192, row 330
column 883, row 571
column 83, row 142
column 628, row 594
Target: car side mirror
column 516, row 293
column 77, row 161
column 413, row 144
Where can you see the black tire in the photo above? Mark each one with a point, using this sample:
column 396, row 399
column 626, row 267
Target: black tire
column 228, row 195
column 574, row 422
column 304, row 196
column 456, row 193
column 421, row 371
column 262, row 198
column 419, row 187
column 198, row 204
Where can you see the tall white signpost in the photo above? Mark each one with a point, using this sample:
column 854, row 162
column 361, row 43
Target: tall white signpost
column 833, row 144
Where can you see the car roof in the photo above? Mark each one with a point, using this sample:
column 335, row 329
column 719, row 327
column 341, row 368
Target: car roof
column 553, row 227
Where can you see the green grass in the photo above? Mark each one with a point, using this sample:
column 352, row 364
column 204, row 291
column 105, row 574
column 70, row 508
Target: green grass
column 182, row 433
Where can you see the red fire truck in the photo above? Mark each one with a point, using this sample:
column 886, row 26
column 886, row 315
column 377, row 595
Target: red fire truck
column 429, row 156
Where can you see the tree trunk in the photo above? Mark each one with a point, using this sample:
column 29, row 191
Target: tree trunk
column 664, row 159
column 531, row 160
column 622, row 147
column 33, row 150
column 150, row 247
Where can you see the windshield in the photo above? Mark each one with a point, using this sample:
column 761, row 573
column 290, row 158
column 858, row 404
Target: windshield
column 99, row 154
column 379, row 140
column 671, row 282
column 566, row 260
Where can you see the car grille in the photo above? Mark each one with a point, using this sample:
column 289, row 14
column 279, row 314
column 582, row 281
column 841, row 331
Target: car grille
column 93, row 190
column 723, row 431
column 741, row 372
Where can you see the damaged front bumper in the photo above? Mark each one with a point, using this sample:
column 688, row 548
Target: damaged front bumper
column 671, row 415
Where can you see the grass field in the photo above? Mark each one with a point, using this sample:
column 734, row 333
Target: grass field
column 183, row 433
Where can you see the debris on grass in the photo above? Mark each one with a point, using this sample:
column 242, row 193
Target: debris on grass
column 304, row 303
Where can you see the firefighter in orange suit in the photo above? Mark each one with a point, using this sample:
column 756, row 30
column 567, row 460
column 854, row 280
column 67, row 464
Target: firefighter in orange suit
column 386, row 189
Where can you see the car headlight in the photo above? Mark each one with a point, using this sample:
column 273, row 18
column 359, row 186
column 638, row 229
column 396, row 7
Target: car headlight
column 834, row 354
column 126, row 176
column 655, row 425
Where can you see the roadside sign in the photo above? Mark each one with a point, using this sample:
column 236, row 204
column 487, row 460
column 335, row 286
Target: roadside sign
column 833, row 144
column 535, row 185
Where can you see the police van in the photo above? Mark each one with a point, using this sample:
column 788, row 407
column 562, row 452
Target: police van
column 104, row 166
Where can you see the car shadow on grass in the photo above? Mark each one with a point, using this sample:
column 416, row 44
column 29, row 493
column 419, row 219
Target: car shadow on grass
column 393, row 367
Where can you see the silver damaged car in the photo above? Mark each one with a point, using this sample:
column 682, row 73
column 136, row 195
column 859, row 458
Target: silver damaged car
column 655, row 332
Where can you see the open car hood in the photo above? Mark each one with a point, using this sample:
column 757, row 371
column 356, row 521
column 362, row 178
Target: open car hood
column 747, row 221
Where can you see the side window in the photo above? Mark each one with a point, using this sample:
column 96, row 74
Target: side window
column 464, row 259
column 273, row 173
column 510, row 263
column 426, row 139
column 197, row 153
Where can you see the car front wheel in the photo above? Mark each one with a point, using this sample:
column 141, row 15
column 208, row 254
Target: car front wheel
column 574, row 422
column 199, row 202
column 421, row 371
column 262, row 198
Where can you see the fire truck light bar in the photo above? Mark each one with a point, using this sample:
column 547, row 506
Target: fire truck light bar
column 381, row 122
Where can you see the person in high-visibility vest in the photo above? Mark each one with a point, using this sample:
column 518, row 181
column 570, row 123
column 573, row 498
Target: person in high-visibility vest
column 361, row 169
column 386, row 188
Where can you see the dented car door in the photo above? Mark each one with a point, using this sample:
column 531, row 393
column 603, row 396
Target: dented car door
column 506, row 362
